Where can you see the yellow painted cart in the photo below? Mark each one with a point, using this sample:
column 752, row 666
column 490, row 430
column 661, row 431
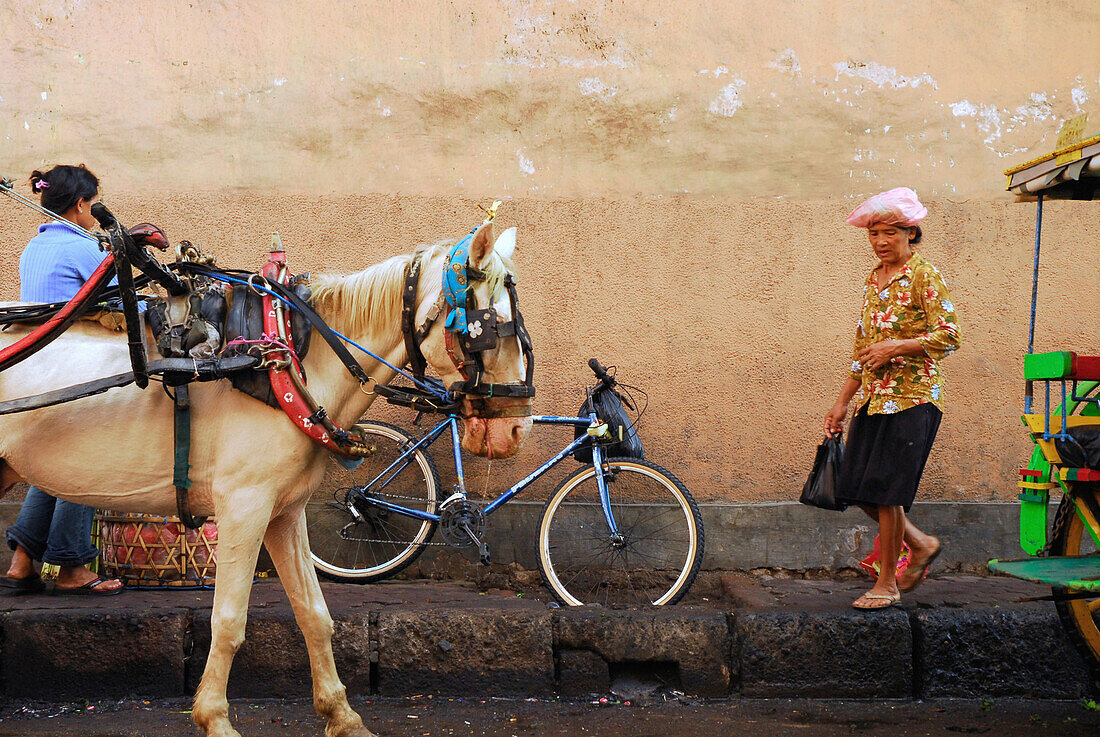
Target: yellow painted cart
column 1062, row 416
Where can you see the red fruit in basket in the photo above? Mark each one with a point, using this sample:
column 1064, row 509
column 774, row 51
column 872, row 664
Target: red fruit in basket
column 159, row 555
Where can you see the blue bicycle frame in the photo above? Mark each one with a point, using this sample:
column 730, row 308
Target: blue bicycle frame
column 362, row 493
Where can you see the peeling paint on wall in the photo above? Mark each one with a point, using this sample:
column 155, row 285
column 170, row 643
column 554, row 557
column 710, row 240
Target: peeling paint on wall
column 636, row 97
column 728, row 101
column 881, row 76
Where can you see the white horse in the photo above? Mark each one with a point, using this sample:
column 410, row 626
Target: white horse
column 251, row 467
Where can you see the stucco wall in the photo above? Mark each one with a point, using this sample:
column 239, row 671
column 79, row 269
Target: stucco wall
column 679, row 173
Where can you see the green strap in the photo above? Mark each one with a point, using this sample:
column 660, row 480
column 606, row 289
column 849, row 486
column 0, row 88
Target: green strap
column 182, row 458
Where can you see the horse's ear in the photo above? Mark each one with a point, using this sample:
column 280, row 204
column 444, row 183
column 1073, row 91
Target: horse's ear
column 505, row 244
column 481, row 245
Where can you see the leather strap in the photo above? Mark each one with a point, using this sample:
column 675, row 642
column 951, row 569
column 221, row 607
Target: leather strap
column 182, row 458
column 408, row 318
column 175, row 371
column 288, row 294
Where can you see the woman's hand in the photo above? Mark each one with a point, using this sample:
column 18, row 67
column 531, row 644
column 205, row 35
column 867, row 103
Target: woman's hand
column 879, row 354
column 834, row 420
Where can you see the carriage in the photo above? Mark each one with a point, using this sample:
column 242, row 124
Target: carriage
column 1062, row 417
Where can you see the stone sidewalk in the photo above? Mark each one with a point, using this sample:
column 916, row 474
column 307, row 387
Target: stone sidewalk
column 736, row 635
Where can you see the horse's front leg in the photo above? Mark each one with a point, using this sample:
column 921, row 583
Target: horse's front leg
column 288, row 545
column 242, row 521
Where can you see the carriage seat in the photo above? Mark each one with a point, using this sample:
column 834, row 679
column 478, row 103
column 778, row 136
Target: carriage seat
column 1083, row 428
column 1058, row 365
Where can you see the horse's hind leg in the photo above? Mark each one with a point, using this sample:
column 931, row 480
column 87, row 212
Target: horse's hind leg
column 241, row 525
column 288, row 545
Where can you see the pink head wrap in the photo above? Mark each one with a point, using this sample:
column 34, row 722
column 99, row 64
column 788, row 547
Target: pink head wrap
column 897, row 207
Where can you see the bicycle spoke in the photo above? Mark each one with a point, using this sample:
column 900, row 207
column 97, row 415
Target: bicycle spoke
column 653, row 556
column 378, row 542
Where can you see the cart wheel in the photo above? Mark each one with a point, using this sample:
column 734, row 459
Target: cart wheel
column 1080, row 617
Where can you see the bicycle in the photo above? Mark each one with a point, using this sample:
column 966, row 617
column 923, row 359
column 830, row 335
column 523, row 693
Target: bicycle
column 616, row 531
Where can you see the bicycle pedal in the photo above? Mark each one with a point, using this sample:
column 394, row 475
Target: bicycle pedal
column 483, row 554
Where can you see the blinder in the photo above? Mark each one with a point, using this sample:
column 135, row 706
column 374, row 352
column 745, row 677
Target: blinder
column 483, row 331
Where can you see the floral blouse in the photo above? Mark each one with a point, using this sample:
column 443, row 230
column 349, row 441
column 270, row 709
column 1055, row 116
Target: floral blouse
column 913, row 304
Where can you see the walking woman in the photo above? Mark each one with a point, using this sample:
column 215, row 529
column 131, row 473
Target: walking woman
column 54, row 266
column 907, row 325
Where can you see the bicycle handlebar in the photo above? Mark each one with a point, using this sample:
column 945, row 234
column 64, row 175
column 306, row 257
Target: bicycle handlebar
column 601, row 373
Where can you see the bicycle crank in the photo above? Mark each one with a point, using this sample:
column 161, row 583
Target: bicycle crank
column 462, row 525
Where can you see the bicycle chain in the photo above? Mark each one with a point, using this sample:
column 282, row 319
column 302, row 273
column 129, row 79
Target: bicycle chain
column 394, row 542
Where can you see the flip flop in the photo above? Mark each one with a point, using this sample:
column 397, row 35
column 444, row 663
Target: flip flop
column 921, row 572
column 88, row 589
column 884, row 600
column 31, row 584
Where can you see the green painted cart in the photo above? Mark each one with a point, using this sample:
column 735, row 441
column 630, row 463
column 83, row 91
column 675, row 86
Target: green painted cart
column 1064, row 552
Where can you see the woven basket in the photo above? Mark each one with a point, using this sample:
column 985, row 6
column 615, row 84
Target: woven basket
column 150, row 551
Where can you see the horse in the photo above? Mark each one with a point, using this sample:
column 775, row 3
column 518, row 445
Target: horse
column 251, row 467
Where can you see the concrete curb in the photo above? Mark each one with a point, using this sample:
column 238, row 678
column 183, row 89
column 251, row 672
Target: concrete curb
column 403, row 639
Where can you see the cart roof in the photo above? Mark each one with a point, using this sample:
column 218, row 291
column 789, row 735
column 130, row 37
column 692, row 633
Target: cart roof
column 1071, row 171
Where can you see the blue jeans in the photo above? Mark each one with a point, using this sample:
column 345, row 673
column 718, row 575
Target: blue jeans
column 53, row 530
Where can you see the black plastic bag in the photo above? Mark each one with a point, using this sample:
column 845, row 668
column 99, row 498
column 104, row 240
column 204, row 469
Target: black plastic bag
column 1082, row 450
column 609, row 409
column 820, row 488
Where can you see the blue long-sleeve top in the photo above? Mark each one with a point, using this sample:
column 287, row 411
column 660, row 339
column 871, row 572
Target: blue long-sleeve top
column 56, row 263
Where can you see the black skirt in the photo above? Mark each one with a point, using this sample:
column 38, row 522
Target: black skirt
column 885, row 456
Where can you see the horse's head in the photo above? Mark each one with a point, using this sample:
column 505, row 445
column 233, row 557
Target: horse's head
column 477, row 344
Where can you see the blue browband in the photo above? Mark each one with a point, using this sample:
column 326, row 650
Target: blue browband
column 455, row 285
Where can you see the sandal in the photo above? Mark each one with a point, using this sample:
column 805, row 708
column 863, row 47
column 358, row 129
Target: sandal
column 919, row 572
column 31, row 584
column 88, row 589
column 880, row 601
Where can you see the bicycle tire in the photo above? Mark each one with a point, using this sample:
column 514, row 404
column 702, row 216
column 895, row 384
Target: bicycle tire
column 656, row 560
column 1080, row 617
column 382, row 543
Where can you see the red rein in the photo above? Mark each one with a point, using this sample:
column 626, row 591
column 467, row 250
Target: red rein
column 45, row 333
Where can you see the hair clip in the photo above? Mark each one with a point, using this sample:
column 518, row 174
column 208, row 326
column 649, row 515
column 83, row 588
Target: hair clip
column 40, row 185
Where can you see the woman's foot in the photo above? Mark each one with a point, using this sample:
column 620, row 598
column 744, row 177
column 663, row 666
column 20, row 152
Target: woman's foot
column 877, row 600
column 923, row 556
column 71, row 578
column 22, row 565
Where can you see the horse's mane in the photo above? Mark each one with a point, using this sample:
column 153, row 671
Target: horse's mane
column 370, row 299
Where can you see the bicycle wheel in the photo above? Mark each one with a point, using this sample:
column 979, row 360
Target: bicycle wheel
column 1080, row 617
column 655, row 556
column 380, row 542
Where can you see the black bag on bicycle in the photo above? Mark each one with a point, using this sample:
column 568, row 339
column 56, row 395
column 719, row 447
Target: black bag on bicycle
column 820, row 488
column 625, row 442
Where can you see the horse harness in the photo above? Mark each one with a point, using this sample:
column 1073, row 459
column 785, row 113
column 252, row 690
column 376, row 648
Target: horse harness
column 483, row 331
column 273, row 351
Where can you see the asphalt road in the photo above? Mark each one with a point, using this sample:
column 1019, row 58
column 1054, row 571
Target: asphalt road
column 665, row 715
